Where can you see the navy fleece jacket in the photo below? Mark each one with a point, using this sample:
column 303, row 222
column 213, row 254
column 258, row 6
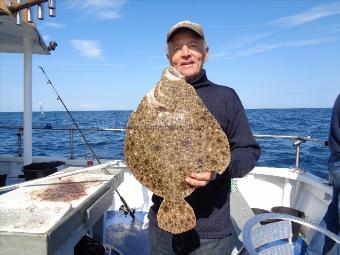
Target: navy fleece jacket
column 334, row 133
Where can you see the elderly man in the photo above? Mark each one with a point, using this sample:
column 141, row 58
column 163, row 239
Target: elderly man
column 187, row 52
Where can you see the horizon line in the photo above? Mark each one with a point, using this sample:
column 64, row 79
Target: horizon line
column 121, row 110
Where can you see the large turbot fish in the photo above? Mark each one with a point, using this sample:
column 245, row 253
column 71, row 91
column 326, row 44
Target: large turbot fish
column 169, row 136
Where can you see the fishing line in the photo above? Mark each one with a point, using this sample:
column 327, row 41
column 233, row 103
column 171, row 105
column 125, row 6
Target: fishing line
column 126, row 209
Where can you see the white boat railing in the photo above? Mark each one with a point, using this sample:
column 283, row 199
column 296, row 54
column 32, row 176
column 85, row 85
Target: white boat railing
column 49, row 128
column 297, row 140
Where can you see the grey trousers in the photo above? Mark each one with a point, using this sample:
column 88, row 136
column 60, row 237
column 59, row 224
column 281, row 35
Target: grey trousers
column 160, row 243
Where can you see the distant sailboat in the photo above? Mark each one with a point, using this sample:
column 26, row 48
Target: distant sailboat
column 42, row 113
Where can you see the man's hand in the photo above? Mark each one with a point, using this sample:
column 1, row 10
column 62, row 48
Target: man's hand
column 200, row 179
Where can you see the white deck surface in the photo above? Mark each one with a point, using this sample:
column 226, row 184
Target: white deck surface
column 31, row 217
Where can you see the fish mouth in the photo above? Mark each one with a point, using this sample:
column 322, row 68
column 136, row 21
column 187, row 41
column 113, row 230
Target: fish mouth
column 152, row 101
column 172, row 74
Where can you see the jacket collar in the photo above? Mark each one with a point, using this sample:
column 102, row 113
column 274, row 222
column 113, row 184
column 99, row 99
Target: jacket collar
column 201, row 80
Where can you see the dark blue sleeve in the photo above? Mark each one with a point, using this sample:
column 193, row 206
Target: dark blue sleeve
column 244, row 150
column 334, row 132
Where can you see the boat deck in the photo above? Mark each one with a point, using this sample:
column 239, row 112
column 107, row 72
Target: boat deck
column 125, row 234
column 129, row 236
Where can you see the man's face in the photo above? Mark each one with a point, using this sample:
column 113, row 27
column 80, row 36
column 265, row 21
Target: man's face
column 187, row 53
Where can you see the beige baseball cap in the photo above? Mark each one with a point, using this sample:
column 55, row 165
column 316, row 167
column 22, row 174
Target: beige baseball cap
column 197, row 28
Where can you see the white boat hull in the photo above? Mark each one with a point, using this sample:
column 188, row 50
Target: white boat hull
column 264, row 188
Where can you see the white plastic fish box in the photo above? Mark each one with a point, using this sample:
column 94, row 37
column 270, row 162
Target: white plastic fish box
column 30, row 224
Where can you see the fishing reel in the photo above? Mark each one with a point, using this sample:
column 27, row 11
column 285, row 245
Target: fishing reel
column 126, row 210
column 52, row 45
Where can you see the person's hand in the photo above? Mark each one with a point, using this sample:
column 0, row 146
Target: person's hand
column 200, row 179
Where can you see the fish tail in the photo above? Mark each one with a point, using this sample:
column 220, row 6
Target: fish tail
column 176, row 216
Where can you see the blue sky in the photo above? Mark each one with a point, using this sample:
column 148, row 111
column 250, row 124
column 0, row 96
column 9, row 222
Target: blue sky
column 275, row 54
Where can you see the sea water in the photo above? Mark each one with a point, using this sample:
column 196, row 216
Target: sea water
column 312, row 122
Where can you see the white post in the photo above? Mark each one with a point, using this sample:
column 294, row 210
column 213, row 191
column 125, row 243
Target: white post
column 28, row 44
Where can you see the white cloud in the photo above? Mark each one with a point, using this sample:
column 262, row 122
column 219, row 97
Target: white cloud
column 238, row 43
column 261, row 48
column 310, row 15
column 53, row 24
column 82, row 64
column 220, row 54
column 109, row 15
column 87, row 48
column 102, row 9
column 289, row 44
column 248, row 39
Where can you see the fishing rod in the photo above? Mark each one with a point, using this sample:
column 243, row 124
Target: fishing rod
column 125, row 208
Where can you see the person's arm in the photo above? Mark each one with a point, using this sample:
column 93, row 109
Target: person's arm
column 244, row 150
column 334, row 132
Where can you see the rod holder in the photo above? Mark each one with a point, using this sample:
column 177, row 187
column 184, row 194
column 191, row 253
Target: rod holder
column 41, row 11
column 51, row 4
column 51, row 12
column 297, row 144
column 18, row 15
column 18, row 18
column 30, row 15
